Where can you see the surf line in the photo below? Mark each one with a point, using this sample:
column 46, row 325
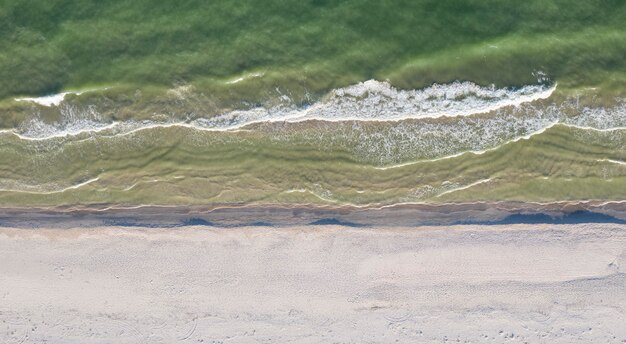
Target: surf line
column 378, row 101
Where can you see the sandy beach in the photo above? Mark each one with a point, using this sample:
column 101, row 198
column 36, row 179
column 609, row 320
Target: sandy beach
column 309, row 284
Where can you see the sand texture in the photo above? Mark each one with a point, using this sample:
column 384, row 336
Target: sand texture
column 311, row 284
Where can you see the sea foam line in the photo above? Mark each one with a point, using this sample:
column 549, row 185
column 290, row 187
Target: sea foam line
column 613, row 161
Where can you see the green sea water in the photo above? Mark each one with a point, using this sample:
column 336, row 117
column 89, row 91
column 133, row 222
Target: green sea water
column 47, row 46
column 193, row 102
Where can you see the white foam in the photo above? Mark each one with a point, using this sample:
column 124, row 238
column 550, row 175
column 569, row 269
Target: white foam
column 379, row 101
column 49, row 100
column 74, row 121
column 54, row 99
column 367, row 101
column 38, row 130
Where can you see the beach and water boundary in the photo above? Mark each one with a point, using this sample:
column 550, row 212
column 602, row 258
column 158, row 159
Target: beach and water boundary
column 284, row 215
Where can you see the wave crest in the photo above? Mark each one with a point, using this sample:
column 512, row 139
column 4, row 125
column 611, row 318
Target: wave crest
column 379, row 101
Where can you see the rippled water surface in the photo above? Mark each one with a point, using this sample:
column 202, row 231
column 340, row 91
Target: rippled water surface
column 321, row 102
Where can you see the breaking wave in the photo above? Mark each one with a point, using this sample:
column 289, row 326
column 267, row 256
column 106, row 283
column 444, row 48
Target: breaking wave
column 379, row 101
column 367, row 101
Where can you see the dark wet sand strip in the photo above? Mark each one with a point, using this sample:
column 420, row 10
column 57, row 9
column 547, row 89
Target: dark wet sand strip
column 296, row 215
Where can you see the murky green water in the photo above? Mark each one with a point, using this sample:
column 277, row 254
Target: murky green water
column 362, row 102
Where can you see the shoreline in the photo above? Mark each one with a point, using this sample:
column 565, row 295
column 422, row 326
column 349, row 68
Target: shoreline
column 423, row 214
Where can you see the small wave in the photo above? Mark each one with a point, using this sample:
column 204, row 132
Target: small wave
column 464, row 187
column 586, row 127
column 516, row 139
column 52, row 99
column 613, row 161
column 324, row 195
column 29, row 189
column 245, row 77
column 482, row 151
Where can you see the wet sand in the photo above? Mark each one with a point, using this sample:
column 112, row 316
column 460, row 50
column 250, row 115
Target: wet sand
column 310, row 284
column 285, row 215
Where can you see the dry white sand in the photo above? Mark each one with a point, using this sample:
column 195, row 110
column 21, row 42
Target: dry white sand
column 520, row 283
